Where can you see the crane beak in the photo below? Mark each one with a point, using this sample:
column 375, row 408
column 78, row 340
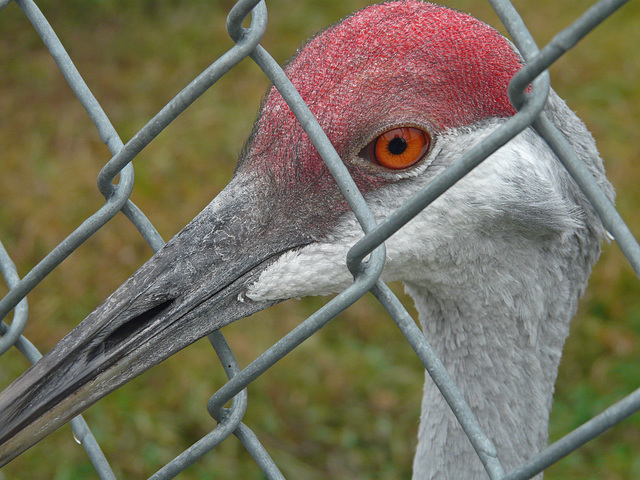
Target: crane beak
column 194, row 285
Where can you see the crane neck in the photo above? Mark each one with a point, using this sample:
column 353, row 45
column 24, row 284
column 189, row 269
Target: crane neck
column 501, row 340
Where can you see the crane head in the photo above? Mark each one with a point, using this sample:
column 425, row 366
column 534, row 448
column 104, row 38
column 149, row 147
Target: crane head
column 388, row 85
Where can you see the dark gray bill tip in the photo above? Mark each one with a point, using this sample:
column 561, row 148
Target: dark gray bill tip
column 190, row 288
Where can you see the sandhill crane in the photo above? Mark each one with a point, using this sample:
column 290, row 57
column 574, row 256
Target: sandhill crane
column 496, row 265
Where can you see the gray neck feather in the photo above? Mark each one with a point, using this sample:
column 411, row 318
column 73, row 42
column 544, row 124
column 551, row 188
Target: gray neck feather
column 499, row 296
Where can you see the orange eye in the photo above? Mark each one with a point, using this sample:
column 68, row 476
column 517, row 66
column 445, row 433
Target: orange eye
column 401, row 147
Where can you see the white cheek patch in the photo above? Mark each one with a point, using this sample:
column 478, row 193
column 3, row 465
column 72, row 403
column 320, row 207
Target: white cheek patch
column 317, row 269
column 431, row 246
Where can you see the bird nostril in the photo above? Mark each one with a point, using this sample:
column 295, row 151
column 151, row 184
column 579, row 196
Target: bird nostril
column 128, row 329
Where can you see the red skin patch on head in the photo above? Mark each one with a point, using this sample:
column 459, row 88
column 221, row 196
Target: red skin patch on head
column 397, row 63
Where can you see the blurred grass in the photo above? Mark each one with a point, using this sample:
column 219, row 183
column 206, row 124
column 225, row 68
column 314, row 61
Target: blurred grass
column 346, row 403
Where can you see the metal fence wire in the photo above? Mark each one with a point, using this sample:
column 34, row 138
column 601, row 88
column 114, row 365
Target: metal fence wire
column 247, row 45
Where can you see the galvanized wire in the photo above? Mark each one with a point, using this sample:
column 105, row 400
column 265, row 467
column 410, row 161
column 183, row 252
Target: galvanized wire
column 366, row 273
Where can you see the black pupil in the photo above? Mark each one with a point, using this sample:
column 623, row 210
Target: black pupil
column 397, row 146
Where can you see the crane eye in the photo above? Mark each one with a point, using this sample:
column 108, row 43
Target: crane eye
column 398, row 148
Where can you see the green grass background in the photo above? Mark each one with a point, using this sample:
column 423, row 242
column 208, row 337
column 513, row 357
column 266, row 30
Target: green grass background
column 346, row 403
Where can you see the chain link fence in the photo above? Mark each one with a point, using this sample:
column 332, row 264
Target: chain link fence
column 117, row 197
